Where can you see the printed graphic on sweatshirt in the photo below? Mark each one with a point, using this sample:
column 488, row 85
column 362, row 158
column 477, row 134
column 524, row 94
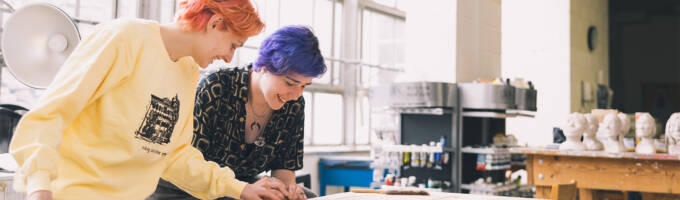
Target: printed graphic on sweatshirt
column 159, row 120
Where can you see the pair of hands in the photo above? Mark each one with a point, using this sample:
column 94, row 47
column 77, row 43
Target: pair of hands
column 265, row 188
column 272, row 189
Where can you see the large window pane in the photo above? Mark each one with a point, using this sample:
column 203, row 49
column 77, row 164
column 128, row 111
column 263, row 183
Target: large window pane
column 100, row 10
column 168, row 11
column 298, row 12
column 382, row 44
column 269, row 12
column 323, row 18
column 328, row 121
column 127, row 8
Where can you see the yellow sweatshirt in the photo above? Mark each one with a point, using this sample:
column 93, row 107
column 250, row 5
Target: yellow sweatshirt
column 117, row 117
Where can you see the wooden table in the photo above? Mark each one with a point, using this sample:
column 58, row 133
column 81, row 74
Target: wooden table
column 432, row 196
column 598, row 170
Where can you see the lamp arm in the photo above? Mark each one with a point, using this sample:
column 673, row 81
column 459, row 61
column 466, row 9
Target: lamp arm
column 9, row 6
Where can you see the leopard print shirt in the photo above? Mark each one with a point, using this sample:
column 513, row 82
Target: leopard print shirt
column 219, row 127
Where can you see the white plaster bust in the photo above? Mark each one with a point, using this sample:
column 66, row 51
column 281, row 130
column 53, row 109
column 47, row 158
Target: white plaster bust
column 625, row 126
column 645, row 128
column 610, row 129
column 573, row 130
column 673, row 134
column 589, row 136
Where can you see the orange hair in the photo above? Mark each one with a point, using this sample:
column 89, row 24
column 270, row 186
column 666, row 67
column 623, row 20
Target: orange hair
column 239, row 15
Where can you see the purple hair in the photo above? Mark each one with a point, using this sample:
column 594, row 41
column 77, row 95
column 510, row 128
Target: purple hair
column 291, row 49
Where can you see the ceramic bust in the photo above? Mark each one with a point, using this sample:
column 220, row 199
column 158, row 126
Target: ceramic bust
column 645, row 128
column 673, row 133
column 625, row 126
column 610, row 130
column 576, row 125
column 589, row 139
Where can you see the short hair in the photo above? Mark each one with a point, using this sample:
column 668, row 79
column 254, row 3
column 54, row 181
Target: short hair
column 239, row 15
column 291, row 49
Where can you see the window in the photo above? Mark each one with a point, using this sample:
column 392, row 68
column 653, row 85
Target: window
column 382, row 56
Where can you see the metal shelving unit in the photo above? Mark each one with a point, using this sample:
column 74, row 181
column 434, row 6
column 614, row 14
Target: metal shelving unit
column 483, row 109
column 427, row 111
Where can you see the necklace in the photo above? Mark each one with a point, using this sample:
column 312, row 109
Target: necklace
column 260, row 140
column 256, row 122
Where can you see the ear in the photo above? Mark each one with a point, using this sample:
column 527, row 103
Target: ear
column 216, row 22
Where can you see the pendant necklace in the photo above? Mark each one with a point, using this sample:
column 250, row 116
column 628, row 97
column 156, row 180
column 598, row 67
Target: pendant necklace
column 256, row 124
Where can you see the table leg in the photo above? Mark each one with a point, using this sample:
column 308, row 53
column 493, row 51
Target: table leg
column 586, row 194
column 543, row 192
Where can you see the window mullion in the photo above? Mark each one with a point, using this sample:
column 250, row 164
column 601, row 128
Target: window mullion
column 348, row 70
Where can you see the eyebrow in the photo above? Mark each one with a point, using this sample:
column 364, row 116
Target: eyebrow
column 296, row 81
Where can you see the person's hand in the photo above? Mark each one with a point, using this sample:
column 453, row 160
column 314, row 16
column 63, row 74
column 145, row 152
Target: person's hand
column 296, row 192
column 40, row 195
column 265, row 188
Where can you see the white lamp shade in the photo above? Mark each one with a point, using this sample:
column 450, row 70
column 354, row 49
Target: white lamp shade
column 36, row 41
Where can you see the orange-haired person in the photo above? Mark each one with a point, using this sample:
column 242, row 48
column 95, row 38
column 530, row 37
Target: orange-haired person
column 118, row 115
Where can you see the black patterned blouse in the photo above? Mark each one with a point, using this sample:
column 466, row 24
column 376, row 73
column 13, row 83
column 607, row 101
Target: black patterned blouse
column 219, row 127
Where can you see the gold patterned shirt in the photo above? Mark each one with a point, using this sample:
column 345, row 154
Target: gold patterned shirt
column 219, row 127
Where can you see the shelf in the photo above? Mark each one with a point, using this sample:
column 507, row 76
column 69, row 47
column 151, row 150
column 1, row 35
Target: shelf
column 425, row 111
column 415, row 148
column 373, row 165
column 485, row 150
column 487, row 114
column 518, row 163
column 496, row 168
column 500, row 115
column 523, row 113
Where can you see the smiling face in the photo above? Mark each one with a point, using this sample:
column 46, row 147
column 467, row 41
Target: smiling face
column 279, row 89
column 217, row 43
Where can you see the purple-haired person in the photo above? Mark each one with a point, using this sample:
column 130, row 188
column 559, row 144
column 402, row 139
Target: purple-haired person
column 251, row 119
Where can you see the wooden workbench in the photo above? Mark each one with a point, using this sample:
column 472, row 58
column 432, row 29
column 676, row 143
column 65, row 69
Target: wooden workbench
column 598, row 170
column 432, row 196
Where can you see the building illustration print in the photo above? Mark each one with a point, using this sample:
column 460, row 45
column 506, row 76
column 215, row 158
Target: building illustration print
column 159, row 120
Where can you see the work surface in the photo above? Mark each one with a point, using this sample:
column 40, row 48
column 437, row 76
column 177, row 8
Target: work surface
column 432, row 196
column 597, row 170
column 595, row 154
